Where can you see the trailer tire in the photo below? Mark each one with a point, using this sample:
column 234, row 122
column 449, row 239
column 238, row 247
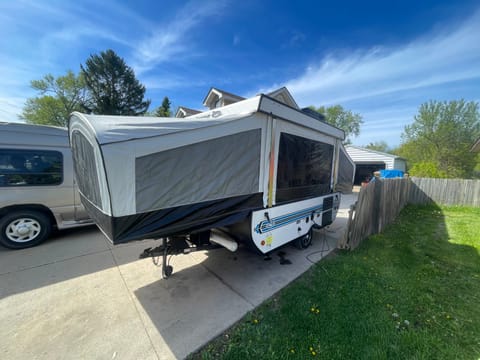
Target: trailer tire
column 304, row 241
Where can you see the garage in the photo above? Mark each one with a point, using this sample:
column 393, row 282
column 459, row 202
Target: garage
column 364, row 172
column 368, row 161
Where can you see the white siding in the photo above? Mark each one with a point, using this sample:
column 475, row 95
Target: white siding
column 400, row 164
column 366, row 156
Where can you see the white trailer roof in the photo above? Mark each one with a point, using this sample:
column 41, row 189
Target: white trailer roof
column 112, row 129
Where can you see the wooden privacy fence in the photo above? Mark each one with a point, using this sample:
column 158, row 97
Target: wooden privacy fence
column 445, row 191
column 378, row 205
column 380, row 202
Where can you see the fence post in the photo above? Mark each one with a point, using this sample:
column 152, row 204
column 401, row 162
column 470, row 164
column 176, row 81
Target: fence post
column 376, row 208
column 347, row 235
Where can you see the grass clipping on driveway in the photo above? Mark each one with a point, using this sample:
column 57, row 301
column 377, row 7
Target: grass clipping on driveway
column 412, row 292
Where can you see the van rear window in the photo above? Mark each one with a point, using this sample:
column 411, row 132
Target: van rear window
column 30, row 167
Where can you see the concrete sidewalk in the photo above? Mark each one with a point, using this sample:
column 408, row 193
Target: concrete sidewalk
column 78, row 297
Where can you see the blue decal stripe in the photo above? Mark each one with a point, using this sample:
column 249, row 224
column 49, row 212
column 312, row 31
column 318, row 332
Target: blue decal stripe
column 283, row 220
column 298, row 212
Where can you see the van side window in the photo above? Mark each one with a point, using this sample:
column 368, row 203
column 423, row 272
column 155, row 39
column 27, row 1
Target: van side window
column 30, row 167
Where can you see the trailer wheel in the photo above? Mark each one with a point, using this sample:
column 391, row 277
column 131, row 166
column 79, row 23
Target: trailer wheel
column 304, row 241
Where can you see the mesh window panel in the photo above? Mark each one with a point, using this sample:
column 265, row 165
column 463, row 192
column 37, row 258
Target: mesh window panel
column 345, row 173
column 85, row 168
column 304, row 168
column 209, row 170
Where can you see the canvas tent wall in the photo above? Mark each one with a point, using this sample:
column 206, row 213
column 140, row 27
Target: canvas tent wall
column 346, row 172
column 152, row 177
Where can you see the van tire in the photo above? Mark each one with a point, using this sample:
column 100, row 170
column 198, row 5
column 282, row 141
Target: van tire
column 24, row 228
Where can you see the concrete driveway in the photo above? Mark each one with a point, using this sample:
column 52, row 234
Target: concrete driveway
column 78, row 297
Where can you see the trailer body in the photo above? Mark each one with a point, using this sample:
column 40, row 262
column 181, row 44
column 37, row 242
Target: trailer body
column 257, row 164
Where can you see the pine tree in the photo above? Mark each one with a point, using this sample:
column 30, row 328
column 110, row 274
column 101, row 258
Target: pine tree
column 112, row 86
column 164, row 109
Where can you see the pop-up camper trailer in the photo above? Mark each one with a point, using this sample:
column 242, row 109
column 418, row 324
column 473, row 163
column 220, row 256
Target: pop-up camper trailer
column 258, row 170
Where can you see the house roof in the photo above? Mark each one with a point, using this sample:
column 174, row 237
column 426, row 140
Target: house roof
column 381, row 153
column 284, row 96
column 186, row 111
column 220, row 93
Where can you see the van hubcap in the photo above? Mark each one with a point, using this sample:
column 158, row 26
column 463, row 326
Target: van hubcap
column 23, row 230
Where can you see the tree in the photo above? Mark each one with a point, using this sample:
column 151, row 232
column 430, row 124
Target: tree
column 59, row 98
column 428, row 169
column 164, row 109
column 344, row 119
column 112, row 86
column 378, row 146
column 441, row 136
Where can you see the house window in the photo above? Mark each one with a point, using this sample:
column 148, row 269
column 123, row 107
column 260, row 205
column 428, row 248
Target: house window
column 30, row 167
column 304, row 168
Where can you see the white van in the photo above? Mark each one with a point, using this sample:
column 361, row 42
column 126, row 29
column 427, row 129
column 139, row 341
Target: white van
column 37, row 187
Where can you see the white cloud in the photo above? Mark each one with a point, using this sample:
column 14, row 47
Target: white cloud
column 14, row 88
column 439, row 58
column 171, row 40
column 169, row 82
column 46, row 31
column 74, row 34
column 10, row 108
column 387, row 84
column 47, row 37
column 296, row 39
column 236, row 40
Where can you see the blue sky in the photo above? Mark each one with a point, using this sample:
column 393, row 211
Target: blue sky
column 380, row 59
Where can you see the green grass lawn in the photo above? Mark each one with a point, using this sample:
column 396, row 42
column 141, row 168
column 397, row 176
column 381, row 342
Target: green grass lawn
column 412, row 292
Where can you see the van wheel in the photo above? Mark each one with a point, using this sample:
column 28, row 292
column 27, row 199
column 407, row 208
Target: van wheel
column 304, row 241
column 22, row 229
